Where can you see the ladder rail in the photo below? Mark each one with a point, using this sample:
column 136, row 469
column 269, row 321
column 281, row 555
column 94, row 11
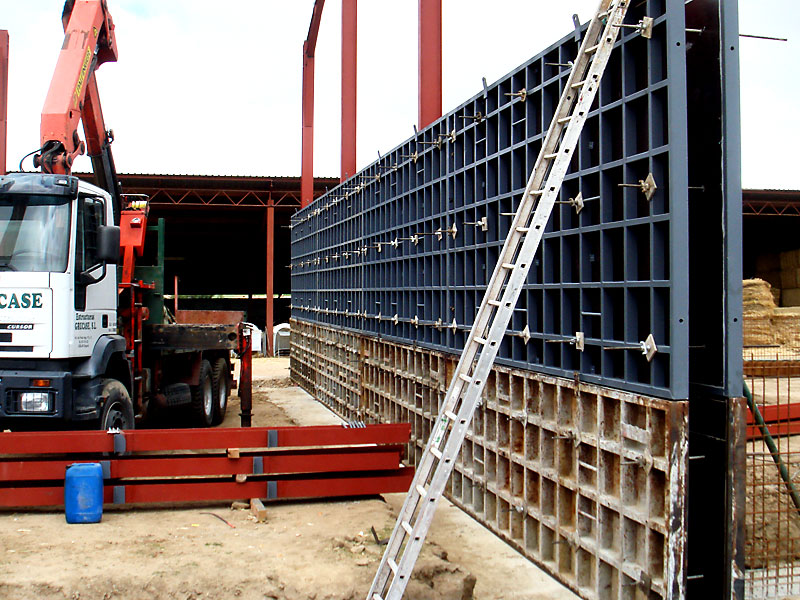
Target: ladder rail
column 550, row 168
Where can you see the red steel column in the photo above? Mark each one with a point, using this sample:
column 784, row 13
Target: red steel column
column 270, row 275
column 309, row 48
column 307, row 167
column 349, row 63
column 3, row 99
column 430, row 61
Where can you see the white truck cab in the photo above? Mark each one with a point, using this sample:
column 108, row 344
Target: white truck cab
column 58, row 296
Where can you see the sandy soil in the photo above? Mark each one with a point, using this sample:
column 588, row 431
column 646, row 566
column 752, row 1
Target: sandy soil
column 306, row 550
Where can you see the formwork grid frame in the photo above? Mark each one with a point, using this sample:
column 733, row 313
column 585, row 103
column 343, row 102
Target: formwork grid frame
column 404, row 249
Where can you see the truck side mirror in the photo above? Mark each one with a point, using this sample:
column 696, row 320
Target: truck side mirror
column 108, row 237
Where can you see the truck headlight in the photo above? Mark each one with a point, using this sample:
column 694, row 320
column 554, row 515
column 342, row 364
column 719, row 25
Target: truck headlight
column 36, row 402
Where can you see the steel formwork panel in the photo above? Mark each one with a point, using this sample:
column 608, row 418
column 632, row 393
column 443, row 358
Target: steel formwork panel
column 404, row 250
column 588, row 482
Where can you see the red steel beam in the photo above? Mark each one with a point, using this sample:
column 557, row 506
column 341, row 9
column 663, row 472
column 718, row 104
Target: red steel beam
column 3, row 99
column 190, row 490
column 330, row 460
column 149, row 440
column 773, row 413
column 309, row 49
column 430, row 61
column 270, row 278
column 349, row 81
column 780, row 429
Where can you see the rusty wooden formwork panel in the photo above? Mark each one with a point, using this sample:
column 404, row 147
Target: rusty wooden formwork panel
column 588, row 482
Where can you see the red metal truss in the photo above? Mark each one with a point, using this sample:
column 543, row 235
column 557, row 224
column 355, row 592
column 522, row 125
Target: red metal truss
column 220, row 191
column 144, row 440
column 381, row 482
column 770, row 203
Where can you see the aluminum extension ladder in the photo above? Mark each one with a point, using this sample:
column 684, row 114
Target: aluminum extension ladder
column 491, row 321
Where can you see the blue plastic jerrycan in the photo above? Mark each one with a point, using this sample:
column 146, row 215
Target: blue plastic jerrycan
column 83, row 493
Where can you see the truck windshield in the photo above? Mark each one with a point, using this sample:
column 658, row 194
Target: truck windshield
column 34, row 232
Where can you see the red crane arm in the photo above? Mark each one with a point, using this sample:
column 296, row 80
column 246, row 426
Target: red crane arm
column 88, row 42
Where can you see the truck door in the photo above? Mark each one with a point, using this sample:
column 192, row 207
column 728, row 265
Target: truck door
column 95, row 282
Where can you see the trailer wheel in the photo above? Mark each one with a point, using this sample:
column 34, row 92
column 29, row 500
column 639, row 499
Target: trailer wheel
column 203, row 397
column 118, row 409
column 221, row 387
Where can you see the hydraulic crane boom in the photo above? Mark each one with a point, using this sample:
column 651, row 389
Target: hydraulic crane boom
column 89, row 41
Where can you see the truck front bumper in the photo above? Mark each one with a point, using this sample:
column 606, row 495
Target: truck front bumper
column 37, row 394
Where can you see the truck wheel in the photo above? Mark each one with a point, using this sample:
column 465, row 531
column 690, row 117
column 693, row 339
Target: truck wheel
column 203, row 397
column 118, row 409
column 221, row 387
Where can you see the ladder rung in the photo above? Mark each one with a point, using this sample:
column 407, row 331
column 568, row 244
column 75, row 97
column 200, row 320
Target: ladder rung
column 407, row 527
column 493, row 302
column 436, row 452
column 591, row 49
column 565, row 120
column 466, row 378
column 537, row 192
column 450, row 415
column 509, row 265
column 578, row 84
column 377, row 597
column 421, row 491
column 392, row 565
column 480, row 341
column 523, row 229
column 551, row 156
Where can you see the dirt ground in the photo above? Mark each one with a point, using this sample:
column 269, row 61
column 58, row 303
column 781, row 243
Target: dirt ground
column 320, row 550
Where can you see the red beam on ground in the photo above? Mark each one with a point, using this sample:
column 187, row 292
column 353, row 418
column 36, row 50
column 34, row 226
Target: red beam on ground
column 349, row 80
column 283, row 462
column 309, row 49
column 188, row 491
column 430, row 61
column 149, row 440
column 781, row 419
column 3, row 99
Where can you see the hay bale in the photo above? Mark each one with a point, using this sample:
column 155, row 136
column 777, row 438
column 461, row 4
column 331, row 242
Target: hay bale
column 791, row 297
column 786, row 325
column 776, row 295
column 768, row 262
column 790, row 259
column 758, row 330
column 757, row 297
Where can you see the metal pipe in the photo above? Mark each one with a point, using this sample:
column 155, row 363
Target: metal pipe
column 773, row 448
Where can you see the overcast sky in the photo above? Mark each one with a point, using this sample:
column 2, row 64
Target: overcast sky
column 214, row 88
